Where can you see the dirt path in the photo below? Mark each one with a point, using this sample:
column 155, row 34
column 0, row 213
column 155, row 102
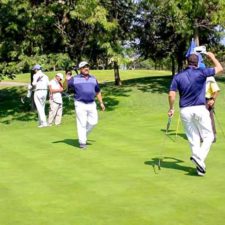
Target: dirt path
column 10, row 83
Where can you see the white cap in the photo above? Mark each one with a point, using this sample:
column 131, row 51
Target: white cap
column 36, row 67
column 60, row 75
column 82, row 64
column 200, row 49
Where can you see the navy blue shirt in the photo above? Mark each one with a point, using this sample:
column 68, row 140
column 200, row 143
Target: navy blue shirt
column 191, row 85
column 85, row 88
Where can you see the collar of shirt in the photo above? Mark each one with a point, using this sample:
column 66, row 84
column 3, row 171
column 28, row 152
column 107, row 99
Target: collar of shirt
column 84, row 76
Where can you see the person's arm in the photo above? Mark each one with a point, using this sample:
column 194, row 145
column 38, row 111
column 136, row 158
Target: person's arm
column 99, row 97
column 34, row 82
column 171, row 99
column 218, row 67
column 215, row 92
column 52, row 90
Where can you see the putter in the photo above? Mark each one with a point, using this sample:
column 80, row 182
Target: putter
column 166, row 133
column 168, row 124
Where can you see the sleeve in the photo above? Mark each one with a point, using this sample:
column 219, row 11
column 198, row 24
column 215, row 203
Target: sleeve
column 70, row 85
column 214, row 87
column 209, row 72
column 173, row 85
column 34, row 83
column 97, row 88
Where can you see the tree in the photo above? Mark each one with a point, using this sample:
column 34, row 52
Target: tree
column 170, row 25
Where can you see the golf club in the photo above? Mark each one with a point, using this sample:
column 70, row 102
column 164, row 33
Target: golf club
column 164, row 139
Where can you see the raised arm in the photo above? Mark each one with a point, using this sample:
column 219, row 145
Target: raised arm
column 218, row 67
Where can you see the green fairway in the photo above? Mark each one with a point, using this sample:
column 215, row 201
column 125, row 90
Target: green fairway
column 47, row 180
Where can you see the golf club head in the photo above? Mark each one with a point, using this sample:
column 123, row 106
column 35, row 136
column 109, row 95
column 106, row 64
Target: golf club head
column 200, row 49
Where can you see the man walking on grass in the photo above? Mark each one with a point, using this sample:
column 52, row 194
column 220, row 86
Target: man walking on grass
column 190, row 84
column 85, row 87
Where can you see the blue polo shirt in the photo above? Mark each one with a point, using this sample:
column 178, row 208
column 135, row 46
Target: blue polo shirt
column 85, row 88
column 191, row 85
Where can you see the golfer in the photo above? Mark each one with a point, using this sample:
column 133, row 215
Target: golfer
column 195, row 117
column 55, row 100
column 85, row 87
column 212, row 91
column 40, row 84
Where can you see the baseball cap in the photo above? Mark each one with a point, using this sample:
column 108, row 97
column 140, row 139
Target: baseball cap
column 60, row 75
column 82, row 64
column 36, row 67
column 193, row 60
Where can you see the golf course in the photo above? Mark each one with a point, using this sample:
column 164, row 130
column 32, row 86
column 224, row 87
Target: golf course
column 46, row 179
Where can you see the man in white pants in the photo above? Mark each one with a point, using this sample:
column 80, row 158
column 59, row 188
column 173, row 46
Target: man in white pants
column 55, row 100
column 85, row 87
column 195, row 117
column 40, row 84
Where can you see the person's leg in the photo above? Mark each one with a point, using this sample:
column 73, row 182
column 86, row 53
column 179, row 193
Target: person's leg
column 191, row 129
column 58, row 116
column 52, row 112
column 211, row 112
column 42, row 99
column 39, row 99
column 205, row 128
column 81, row 118
column 92, row 117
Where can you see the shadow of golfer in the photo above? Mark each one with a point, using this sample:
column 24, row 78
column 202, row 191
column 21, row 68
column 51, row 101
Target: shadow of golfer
column 172, row 163
column 72, row 142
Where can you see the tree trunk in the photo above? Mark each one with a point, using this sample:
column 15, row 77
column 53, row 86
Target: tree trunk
column 173, row 65
column 117, row 74
column 196, row 35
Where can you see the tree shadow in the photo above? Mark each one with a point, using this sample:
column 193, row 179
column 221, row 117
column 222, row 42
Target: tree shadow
column 153, row 84
column 171, row 163
column 12, row 108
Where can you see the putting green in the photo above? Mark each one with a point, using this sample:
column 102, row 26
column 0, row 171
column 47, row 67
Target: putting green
column 47, row 180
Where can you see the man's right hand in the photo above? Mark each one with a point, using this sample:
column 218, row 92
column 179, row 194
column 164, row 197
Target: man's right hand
column 171, row 112
column 68, row 77
column 210, row 55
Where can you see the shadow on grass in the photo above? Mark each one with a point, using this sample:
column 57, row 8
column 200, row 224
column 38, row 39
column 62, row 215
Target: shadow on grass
column 173, row 135
column 171, row 163
column 11, row 107
column 72, row 142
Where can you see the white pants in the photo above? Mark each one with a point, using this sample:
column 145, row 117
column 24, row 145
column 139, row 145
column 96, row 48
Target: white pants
column 40, row 99
column 197, row 122
column 55, row 113
column 87, row 118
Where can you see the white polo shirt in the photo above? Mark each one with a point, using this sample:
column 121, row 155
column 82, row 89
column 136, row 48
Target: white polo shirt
column 40, row 81
column 57, row 96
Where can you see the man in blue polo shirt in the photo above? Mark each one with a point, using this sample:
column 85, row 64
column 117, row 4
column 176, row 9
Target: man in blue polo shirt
column 85, row 87
column 190, row 84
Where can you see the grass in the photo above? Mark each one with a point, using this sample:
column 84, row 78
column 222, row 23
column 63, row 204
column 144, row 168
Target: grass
column 102, row 75
column 47, row 180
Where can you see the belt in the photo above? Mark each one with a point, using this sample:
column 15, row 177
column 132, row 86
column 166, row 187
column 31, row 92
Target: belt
column 41, row 90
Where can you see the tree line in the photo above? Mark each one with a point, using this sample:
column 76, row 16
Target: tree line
column 107, row 33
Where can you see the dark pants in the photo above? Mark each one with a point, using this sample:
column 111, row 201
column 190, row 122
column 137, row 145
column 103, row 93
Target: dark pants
column 211, row 112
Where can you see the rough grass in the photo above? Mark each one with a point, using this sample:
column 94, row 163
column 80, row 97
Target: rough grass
column 47, row 180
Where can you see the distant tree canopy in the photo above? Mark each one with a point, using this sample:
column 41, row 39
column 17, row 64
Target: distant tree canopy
column 107, row 33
